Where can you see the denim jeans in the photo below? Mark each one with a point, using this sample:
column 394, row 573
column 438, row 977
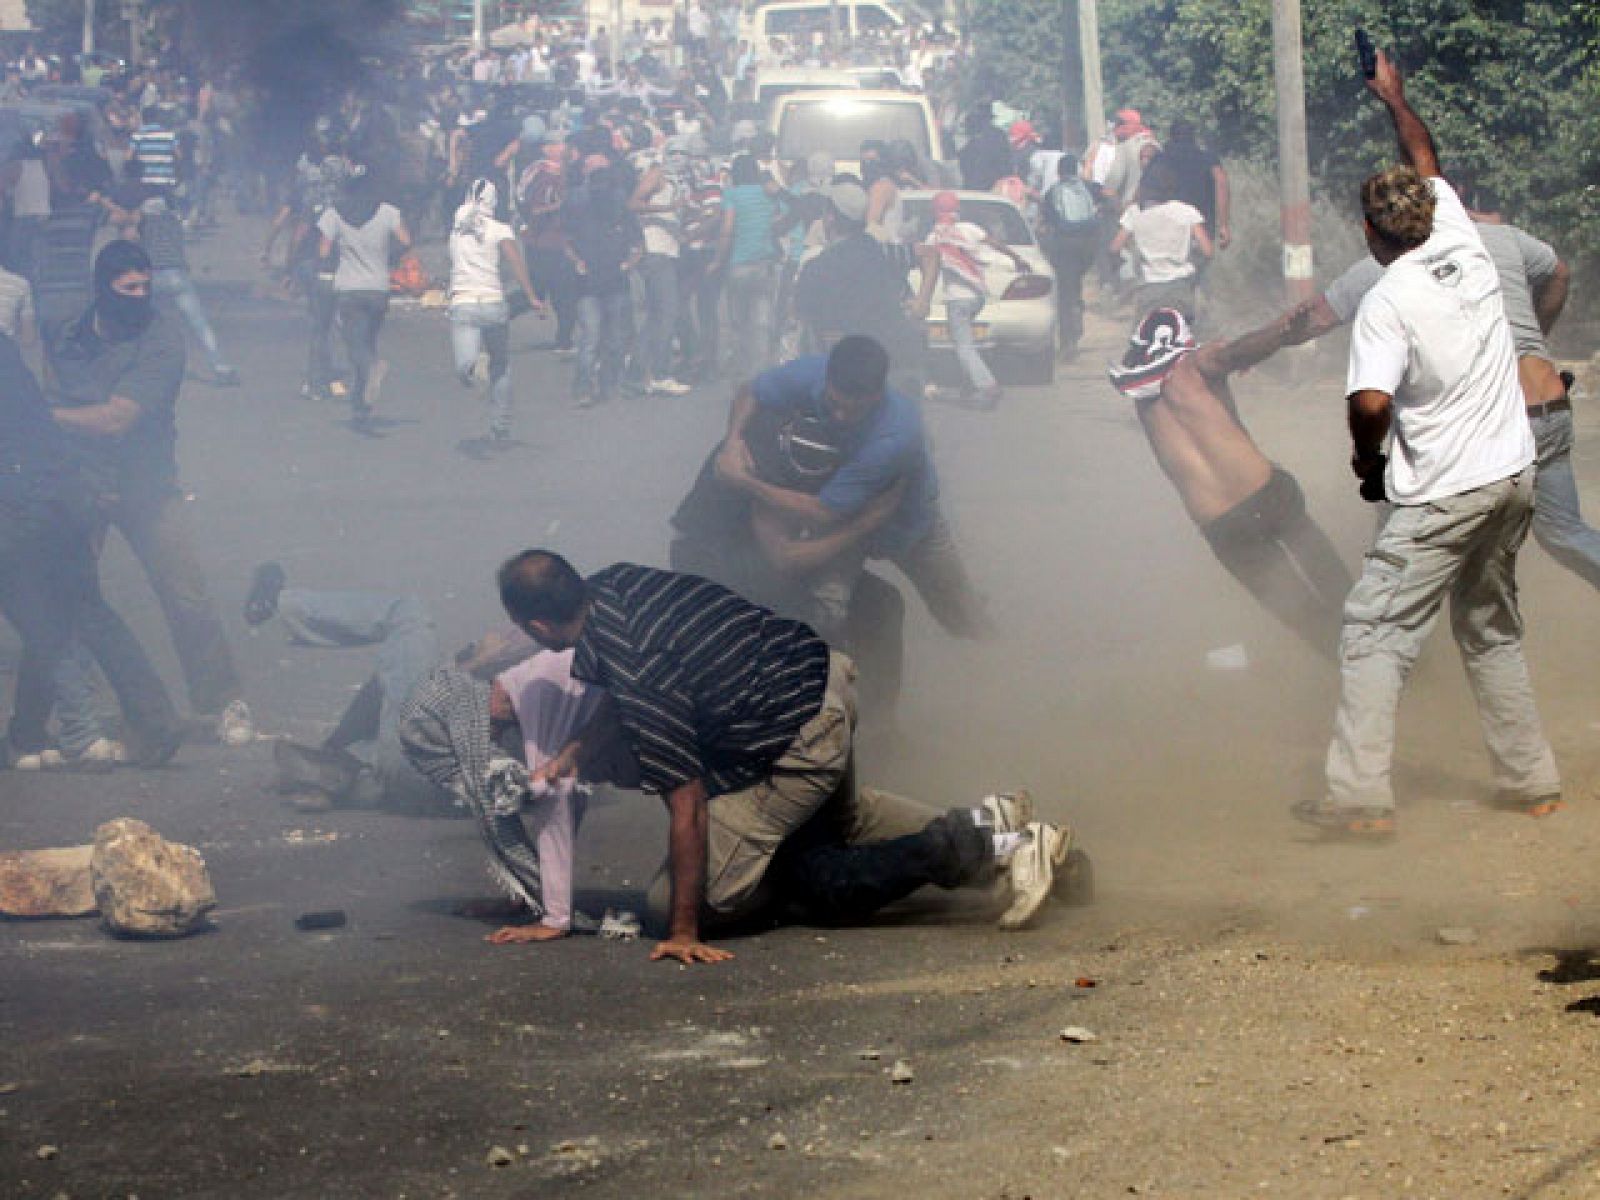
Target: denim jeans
column 156, row 527
column 320, row 307
column 360, row 318
column 51, row 594
column 750, row 293
column 604, row 325
column 176, row 285
column 402, row 629
column 962, row 311
column 658, row 277
column 475, row 328
column 1558, row 523
column 1464, row 548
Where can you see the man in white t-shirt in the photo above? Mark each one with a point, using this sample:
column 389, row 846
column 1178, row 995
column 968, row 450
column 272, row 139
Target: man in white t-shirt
column 1433, row 372
column 1163, row 234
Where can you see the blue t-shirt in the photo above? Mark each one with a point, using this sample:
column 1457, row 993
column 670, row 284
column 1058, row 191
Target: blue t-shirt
column 888, row 446
column 753, row 211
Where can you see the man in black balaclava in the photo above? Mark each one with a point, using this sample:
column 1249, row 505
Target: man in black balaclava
column 118, row 368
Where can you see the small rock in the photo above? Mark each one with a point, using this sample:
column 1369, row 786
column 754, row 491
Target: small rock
column 777, row 1142
column 147, row 886
column 499, row 1156
column 1460, row 935
column 47, row 883
column 1060, row 1153
column 1078, row 1035
column 47, row 1152
column 901, row 1072
column 869, row 1055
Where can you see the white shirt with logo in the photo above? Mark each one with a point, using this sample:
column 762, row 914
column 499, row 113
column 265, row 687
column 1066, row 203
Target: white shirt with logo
column 1432, row 333
column 475, row 264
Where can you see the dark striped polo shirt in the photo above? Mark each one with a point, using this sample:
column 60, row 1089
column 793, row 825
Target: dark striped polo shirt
column 708, row 685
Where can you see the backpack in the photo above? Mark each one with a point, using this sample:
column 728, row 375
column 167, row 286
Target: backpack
column 1069, row 208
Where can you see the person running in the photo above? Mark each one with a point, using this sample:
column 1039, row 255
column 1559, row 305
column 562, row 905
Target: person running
column 1069, row 228
column 480, row 318
column 363, row 230
column 747, row 249
column 605, row 245
column 1162, row 234
column 964, row 250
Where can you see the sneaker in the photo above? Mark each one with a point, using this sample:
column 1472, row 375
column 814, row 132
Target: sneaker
column 1009, row 812
column 314, row 770
column 235, row 727
column 101, row 755
column 1033, row 870
column 1530, row 806
column 41, row 760
column 1337, row 820
column 668, row 387
column 261, row 604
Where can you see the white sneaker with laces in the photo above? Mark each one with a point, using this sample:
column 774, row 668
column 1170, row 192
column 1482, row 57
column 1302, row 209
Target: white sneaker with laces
column 1009, row 812
column 1033, row 869
column 236, row 727
column 43, row 760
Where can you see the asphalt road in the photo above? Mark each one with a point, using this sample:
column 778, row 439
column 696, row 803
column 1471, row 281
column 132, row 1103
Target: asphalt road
column 388, row 1058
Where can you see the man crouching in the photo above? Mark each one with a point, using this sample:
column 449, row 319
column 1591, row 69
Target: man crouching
column 745, row 724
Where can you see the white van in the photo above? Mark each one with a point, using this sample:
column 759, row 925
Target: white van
column 837, row 122
column 774, row 83
column 774, row 29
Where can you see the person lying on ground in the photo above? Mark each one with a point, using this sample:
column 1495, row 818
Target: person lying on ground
column 1251, row 512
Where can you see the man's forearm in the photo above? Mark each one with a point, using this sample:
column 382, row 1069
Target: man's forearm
column 686, row 856
column 1369, row 423
column 1244, row 351
column 1551, row 297
column 802, row 505
column 111, row 419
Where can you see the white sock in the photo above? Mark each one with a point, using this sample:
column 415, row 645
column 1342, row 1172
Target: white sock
column 1007, row 844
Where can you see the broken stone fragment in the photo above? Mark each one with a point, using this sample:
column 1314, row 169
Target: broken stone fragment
column 147, row 886
column 499, row 1156
column 47, row 883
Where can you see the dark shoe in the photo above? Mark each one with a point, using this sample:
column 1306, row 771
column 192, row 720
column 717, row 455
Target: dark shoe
column 1530, row 806
column 1362, row 824
column 149, row 748
column 302, row 769
column 261, row 603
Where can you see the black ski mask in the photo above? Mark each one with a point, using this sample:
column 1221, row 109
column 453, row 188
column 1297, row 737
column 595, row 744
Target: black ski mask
column 120, row 317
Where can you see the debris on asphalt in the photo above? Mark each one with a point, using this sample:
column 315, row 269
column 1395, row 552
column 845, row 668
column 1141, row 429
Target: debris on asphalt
column 620, row 926
column 1083, row 981
column 869, row 1055
column 332, row 918
column 499, row 1156
column 47, row 883
column 1078, row 1035
column 777, row 1142
column 1457, row 935
column 146, row 886
column 47, row 1152
column 256, row 1067
column 901, row 1072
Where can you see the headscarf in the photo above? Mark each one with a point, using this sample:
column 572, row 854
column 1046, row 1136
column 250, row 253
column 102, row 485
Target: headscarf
column 1158, row 345
column 482, row 200
column 446, row 735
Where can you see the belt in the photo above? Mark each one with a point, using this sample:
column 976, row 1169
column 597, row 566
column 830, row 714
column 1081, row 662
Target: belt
column 1535, row 411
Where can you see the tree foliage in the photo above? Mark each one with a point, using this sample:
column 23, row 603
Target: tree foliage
column 1509, row 87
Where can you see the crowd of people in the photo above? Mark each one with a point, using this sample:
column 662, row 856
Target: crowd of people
column 670, row 247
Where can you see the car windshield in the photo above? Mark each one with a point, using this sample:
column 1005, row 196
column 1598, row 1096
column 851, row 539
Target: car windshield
column 837, row 125
column 999, row 218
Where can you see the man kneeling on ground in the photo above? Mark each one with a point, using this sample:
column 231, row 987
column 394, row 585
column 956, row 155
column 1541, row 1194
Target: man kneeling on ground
column 744, row 722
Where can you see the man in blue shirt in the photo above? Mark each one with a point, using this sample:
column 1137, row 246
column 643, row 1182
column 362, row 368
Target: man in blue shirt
column 882, row 501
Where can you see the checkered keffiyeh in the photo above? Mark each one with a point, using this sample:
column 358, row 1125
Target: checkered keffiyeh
column 446, row 735
column 1157, row 346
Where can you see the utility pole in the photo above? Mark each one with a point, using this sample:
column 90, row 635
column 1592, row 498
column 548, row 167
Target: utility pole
column 1294, row 173
column 1094, row 99
column 833, row 28
column 135, row 18
column 479, row 42
column 88, row 26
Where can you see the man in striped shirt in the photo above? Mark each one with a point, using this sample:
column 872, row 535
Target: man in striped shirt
column 744, row 722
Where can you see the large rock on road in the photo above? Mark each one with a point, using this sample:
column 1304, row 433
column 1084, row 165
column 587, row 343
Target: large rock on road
column 47, row 883
column 147, row 886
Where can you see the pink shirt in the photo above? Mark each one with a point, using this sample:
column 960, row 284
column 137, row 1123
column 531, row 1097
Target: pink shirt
column 552, row 707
